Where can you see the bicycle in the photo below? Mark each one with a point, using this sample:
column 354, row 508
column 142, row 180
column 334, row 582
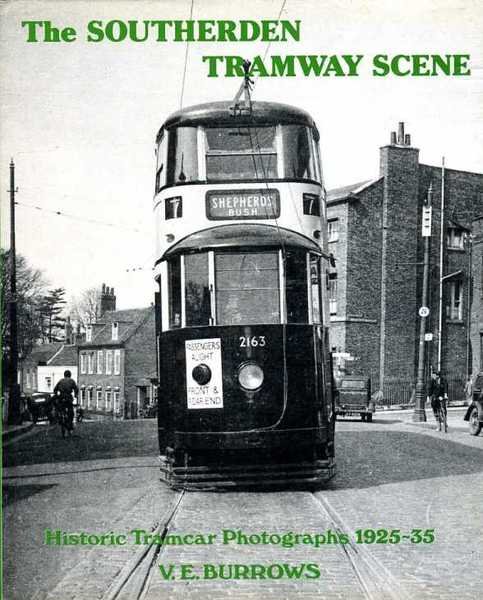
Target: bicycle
column 64, row 419
column 441, row 414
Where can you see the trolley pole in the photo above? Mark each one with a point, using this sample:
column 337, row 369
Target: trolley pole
column 419, row 411
column 13, row 387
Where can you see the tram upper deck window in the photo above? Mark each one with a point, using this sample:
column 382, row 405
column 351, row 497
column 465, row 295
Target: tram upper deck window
column 299, row 153
column 161, row 164
column 247, row 288
column 182, row 155
column 241, row 153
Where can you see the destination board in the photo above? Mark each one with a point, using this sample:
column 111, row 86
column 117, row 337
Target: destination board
column 242, row 204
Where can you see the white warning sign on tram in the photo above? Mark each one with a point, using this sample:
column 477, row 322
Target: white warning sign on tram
column 204, row 381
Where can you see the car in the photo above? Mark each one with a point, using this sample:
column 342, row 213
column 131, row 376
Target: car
column 40, row 406
column 474, row 414
column 353, row 397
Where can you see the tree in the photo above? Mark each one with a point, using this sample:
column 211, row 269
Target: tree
column 50, row 308
column 85, row 309
column 31, row 287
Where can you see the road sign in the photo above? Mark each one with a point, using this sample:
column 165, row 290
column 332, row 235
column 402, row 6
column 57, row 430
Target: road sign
column 428, row 337
column 426, row 222
column 423, row 311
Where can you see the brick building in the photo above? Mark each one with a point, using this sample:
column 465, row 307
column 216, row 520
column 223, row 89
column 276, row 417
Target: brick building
column 376, row 288
column 117, row 361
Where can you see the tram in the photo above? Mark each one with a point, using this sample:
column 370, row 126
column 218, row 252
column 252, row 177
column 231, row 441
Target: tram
column 245, row 379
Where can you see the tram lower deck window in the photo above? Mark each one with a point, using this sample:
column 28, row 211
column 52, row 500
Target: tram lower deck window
column 247, row 288
column 197, row 294
column 296, row 286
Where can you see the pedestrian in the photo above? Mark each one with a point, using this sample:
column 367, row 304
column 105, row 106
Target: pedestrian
column 438, row 393
column 469, row 391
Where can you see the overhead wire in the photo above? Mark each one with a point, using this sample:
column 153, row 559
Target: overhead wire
column 185, row 62
column 78, row 218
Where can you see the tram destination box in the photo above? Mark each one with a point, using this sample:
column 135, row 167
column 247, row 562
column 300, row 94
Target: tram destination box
column 243, row 204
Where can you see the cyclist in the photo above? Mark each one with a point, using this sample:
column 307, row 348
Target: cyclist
column 438, row 392
column 64, row 392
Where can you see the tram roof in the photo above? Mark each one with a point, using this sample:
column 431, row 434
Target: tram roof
column 219, row 113
column 246, row 234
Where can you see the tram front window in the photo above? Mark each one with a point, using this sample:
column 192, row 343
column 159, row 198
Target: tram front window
column 247, row 288
column 241, row 153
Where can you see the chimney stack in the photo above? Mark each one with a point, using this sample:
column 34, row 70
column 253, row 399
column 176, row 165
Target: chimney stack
column 108, row 299
column 68, row 331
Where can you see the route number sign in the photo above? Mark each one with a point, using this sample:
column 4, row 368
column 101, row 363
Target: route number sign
column 423, row 311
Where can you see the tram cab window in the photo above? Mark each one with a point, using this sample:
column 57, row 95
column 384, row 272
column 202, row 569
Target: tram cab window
column 298, row 152
column 296, row 286
column 174, row 291
column 182, row 155
column 197, row 294
column 245, row 153
column 247, row 288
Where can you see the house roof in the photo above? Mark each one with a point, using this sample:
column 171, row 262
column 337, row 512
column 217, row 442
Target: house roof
column 130, row 320
column 348, row 190
column 66, row 356
column 44, row 352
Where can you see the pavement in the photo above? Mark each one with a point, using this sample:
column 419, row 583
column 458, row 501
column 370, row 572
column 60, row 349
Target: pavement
column 12, row 431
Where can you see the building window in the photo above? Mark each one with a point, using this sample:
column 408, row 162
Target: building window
column 83, row 397
column 48, row 382
column 333, row 293
column 454, row 305
column 115, row 332
column 333, row 230
column 98, row 399
column 108, row 362
column 89, row 399
column 28, row 378
column 455, row 238
column 83, row 363
column 108, row 401
column 99, row 362
column 90, row 363
column 117, row 362
column 89, row 333
column 117, row 397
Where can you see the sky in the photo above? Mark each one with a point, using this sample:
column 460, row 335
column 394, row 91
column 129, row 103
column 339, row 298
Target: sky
column 80, row 119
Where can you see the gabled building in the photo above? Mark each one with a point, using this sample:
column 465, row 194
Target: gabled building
column 375, row 234
column 40, row 355
column 117, row 363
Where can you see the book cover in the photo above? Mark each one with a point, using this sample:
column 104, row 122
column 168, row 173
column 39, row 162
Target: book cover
column 206, row 260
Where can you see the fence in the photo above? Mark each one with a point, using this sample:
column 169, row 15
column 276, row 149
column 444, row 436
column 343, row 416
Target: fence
column 402, row 391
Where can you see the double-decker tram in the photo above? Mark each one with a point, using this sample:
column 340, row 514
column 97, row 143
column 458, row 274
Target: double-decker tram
column 245, row 395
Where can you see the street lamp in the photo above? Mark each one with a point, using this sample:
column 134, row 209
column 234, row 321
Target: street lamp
column 419, row 411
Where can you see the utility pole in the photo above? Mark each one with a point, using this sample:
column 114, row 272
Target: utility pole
column 13, row 387
column 419, row 411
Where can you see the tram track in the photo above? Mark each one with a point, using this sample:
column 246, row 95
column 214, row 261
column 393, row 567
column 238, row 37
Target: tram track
column 133, row 580
column 375, row 581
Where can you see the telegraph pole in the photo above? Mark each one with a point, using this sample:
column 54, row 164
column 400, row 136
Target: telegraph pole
column 13, row 387
column 419, row 411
